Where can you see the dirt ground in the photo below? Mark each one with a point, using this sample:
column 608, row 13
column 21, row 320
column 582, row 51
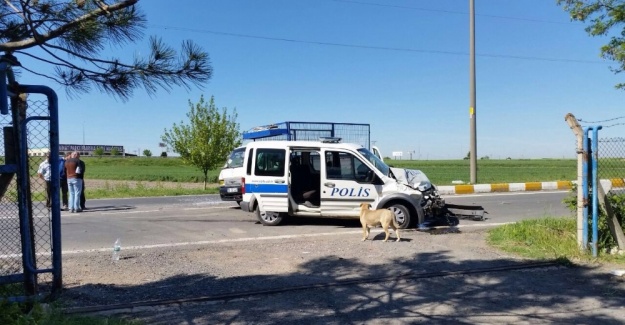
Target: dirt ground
column 442, row 279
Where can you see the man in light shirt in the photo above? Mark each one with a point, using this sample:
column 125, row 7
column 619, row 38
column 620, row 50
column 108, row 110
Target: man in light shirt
column 45, row 172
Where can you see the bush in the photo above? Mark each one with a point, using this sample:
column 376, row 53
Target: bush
column 164, row 154
column 617, row 201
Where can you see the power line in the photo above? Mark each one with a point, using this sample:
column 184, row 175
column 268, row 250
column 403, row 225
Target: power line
column 454, row 12
column 602, row 121
column 373, row 47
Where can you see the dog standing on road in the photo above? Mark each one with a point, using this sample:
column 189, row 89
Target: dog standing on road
column 371, row 218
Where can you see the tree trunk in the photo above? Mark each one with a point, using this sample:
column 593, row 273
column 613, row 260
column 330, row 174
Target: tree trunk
column 205, row 178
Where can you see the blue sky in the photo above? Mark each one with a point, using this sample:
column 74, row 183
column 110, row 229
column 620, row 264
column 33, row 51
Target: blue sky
column 400, row 65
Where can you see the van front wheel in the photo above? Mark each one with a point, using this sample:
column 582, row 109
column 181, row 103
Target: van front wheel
column 268, row 218
column 402, row 216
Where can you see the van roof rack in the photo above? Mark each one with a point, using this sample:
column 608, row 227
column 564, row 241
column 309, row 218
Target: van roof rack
column 330, row 139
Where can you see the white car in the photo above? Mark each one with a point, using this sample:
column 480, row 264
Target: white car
column 230, row 177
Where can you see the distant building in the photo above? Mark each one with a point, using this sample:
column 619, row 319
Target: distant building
column 83, row 149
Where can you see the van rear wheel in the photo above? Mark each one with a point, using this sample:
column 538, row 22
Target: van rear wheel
column 402, row 215
column 268, row 218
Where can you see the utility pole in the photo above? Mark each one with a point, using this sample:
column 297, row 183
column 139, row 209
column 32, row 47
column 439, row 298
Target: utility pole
column 472, row 108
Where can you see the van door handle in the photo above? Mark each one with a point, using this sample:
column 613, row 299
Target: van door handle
column 279, row 181
column 329, row 184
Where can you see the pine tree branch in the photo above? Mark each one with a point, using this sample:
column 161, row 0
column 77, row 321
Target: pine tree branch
column 40, row 39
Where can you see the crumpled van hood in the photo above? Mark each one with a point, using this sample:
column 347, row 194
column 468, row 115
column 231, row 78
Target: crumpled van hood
column 412, row 178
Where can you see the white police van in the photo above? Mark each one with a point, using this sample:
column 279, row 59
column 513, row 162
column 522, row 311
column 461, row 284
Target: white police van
column 231, row 176
column 324, row 179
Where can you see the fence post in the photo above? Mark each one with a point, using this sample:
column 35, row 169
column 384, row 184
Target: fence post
column 595, row 192
column 18, row 111
column 579, row 134
column 586, row 176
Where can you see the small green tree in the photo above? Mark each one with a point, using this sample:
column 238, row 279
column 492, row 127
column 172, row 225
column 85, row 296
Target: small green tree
column 164, row 154
column 147, row 153
column 114, row 152
column 99, row 151
column 603, row 16
column 208, row 138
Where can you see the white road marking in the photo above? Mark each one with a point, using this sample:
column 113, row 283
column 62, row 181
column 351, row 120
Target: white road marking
column 163, row 209
column 207, row 208
column 486, row 224
column 131, row 212
column 251, row 239
column 235, row 240
column 209, row 242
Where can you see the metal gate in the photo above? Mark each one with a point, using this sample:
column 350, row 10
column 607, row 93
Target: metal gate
column 30, row 232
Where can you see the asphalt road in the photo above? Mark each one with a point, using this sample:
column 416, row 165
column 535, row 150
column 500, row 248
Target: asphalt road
column 197, row 260
column 166, row 221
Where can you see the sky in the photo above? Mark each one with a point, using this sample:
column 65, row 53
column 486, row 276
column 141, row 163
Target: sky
column 401, row 66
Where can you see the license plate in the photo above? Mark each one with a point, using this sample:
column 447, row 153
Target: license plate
column 233, row 190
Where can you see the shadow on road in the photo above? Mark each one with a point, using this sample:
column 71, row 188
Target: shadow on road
column 421, row 287
column 109, row 208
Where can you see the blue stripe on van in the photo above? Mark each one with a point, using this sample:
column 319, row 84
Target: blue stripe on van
column 266, row 188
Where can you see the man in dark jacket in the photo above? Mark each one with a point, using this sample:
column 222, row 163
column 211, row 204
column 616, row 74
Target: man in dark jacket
column 82, row 176
column 64, row 187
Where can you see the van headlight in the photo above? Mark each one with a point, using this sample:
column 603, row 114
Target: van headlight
column 424, row 186
column 221, row 182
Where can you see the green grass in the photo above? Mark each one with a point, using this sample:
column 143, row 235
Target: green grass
column 124, row 190
column 547, row 238
column 489, row 171
column 145, row 169
column 27, row 314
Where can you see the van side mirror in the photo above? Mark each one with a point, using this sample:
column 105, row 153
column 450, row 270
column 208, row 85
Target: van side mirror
column 377, row 180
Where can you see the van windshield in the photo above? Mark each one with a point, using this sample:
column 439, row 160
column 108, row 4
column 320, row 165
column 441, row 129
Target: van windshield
column 235, row 160
column 379, row 164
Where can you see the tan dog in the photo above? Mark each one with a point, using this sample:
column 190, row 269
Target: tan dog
column 372, row 218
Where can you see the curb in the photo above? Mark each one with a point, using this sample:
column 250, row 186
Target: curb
column 517, row 187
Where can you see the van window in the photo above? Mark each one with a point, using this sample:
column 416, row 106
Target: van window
column 341, row 165
column 379, row 164
column 249, row 162
column 235, row 160
column 270, row 162
column 313, row 159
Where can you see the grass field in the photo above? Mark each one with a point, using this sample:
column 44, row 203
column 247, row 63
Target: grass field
column 145, row 169
column 440, row 172
column 444, row 172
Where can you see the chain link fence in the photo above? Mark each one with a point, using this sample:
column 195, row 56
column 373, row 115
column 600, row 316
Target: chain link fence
column 10, row 238
column 611, row 163
column 25, row 219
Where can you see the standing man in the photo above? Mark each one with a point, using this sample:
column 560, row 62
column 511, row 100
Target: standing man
column 81, row 175
column 45, row 172
column 72, row 169
column 64, row 188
